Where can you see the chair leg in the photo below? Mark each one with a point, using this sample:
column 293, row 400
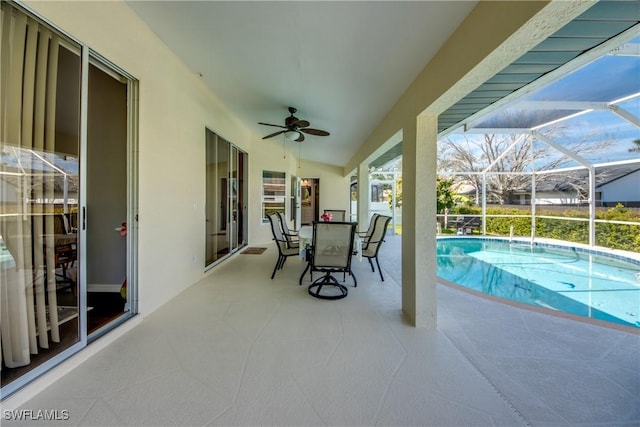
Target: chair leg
column 355, row 282
column 379, row 269
column 303, row 273
column 371, row 264
column 275, row 268
column 279, row 265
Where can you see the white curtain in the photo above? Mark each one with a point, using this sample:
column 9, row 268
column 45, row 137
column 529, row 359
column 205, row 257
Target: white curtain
column 28, row 75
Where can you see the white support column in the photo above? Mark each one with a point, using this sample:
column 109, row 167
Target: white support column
column 394, row 195
column 364, row 196
column 484, row 203
column 419, row 281
column 533, row 207
column 533, row 189
column 592, row 205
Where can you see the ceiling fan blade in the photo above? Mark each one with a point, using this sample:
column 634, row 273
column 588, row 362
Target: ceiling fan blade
column 300, row 138
column 273, row 134
column 300, row 123
column 316, row 132
column 275, row 126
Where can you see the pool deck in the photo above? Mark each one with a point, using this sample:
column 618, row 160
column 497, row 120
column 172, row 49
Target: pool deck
column 555, row 369
column 240, row 349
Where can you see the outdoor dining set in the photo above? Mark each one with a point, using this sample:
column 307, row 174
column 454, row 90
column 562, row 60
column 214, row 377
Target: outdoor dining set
column 328, row 247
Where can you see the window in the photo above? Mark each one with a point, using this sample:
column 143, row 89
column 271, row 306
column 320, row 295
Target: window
column 273, row 193
column 377, row 194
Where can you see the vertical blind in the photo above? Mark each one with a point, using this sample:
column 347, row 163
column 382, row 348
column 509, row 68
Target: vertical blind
column 28, row 76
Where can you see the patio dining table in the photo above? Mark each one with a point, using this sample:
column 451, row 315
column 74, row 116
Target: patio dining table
column 305, row 235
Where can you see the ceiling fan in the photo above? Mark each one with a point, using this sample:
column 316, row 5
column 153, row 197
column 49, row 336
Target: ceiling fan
column 294, row 128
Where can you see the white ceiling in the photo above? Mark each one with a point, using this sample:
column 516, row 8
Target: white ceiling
column 343, row 65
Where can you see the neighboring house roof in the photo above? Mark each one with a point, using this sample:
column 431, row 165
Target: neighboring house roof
column 579, row 179
column 570, row 181
column 617, row 177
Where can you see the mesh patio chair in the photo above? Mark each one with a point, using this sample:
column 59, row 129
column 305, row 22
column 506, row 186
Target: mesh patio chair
column 331, row 253
column 371, row 244
column 65, row 251
column 337, row 215
column 290, row 236
column 364, row 235
column 284, row 251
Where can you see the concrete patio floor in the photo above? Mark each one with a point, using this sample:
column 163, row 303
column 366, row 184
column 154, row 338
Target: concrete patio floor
column 240, row 349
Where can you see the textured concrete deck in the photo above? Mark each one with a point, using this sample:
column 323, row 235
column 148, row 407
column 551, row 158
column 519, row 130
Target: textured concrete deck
column 241, row 349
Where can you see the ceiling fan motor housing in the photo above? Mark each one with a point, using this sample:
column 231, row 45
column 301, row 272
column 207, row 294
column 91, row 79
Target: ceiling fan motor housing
column 289, row 121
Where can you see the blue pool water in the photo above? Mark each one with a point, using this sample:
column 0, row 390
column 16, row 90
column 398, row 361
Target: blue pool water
column 566, row 279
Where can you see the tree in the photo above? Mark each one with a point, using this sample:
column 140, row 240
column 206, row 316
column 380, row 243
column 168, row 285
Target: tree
column 475, row 153
column 635, row 149
column 398, row 193
column 444, row 193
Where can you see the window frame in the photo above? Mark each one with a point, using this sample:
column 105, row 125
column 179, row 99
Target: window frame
column 275, row 197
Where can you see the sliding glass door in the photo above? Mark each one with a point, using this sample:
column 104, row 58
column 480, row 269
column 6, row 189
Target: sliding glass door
column 66, row 130
column 225, row 204
column 109, row 209
column 39, row 191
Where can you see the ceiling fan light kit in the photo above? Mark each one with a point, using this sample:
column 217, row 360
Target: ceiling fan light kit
column 292, row 135
column 294, row 128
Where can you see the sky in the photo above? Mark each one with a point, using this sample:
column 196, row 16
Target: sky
column 607, row 79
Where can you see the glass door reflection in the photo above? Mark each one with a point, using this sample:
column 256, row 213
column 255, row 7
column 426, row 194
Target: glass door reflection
column 39, row 191
column 225, row 198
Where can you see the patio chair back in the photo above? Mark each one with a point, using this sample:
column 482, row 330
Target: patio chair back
column 371, row 245
column 276, row 229
column 372, row 225
column 337, row 215
column 284, row 249
column 332, row 246
column 331, row 252
column 290, row 236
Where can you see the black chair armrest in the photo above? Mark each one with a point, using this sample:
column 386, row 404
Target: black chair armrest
column 287, row 241
column 372, row 241
column 366, row 243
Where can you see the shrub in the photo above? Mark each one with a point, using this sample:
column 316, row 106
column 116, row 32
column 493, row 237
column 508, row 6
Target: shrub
column 615, row 236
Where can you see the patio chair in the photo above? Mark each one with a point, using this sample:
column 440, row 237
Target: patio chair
column 337, row 215
column 331, row 253
column 284, row 251
column 65, row 252
column 364, row 235
column 371, row 245
column 290, row 236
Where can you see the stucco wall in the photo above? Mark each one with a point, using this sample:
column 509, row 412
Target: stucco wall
column 174, row 108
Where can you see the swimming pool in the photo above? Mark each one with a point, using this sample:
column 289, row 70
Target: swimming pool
column 572, row 280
